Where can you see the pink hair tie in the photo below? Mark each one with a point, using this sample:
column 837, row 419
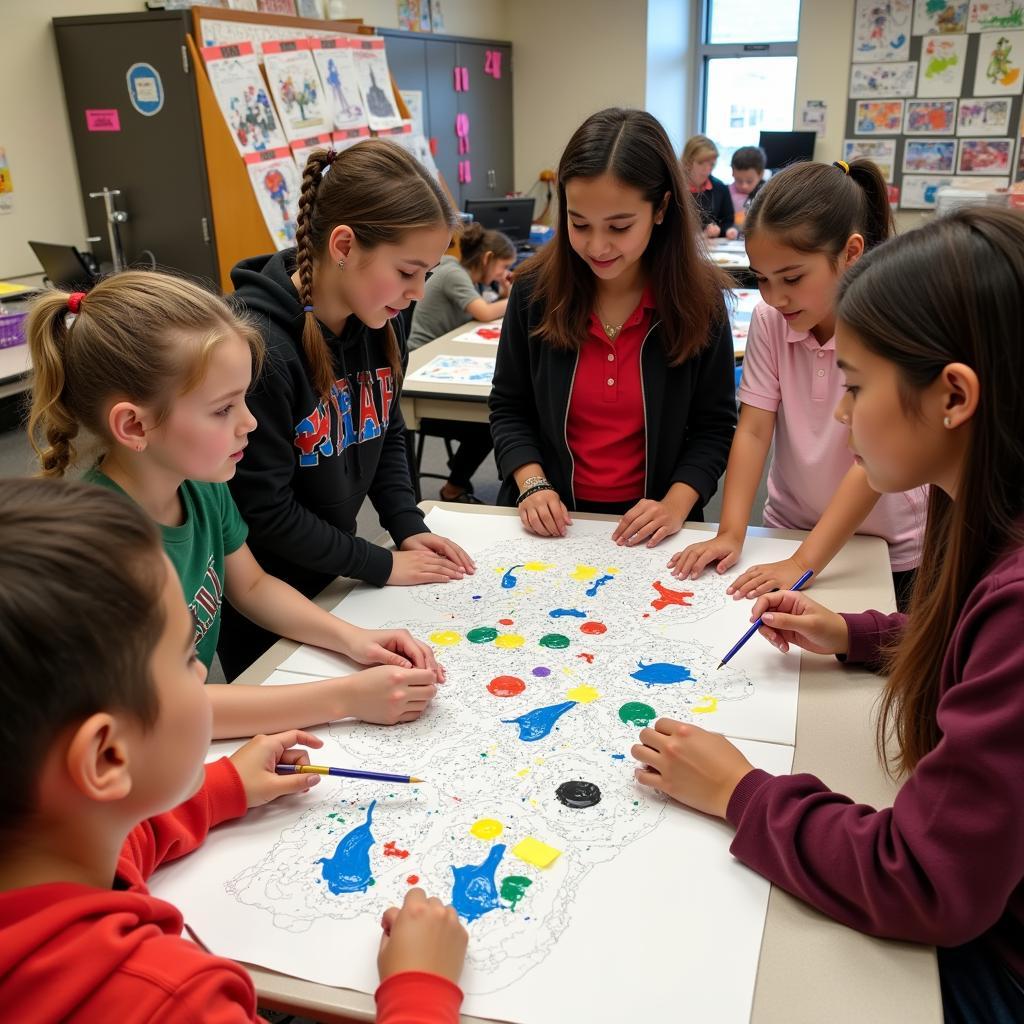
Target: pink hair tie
column 75, row 301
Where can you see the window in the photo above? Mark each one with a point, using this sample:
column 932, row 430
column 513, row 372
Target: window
column 748, row 72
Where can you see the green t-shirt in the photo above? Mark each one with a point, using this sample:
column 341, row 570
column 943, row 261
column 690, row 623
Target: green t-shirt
column 212, row 529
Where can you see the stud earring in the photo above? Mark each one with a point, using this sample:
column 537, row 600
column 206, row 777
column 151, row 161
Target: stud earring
column 946, row 421
column 341, row 264
column 138, row 447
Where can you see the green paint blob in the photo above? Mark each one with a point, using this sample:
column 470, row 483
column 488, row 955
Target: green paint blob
column 554, row 640
column 635, row 713
column 481, row 635
column 513, row 889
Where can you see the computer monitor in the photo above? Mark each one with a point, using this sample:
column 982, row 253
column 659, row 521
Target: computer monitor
column 64, row 265
column 513, row 217
column 782, row 148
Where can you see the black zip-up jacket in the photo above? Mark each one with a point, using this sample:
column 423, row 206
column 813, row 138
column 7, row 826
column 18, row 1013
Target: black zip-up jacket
column 689, row 409
column 715, row 205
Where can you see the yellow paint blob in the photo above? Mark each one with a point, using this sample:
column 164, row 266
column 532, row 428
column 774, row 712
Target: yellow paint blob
column 538, row 566
column 583, row 694
column 709, row 704
column 445, row 638
column 584, row 573
column 509, row 640
column 611, row 570
column 534, row 852
column 486, row 828
column 538, row 760
column 522, row 772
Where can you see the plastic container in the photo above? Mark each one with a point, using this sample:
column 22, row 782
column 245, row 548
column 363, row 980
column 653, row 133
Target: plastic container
column 12, row 329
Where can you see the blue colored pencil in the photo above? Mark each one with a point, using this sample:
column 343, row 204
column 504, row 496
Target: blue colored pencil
column 345, row 773
column 757, row 625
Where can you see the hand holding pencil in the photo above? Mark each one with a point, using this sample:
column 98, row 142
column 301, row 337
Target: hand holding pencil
column 792, row 619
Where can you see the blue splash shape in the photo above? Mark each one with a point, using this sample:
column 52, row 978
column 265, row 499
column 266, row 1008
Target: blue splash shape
column 536, row 724
column 508, row 581
column 473, row 891
column 661, row 672
column 618, row 757
column 561, row 613
column 349, row 869
column 598, row 583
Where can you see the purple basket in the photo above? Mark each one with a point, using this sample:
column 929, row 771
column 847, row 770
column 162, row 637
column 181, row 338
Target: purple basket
column 12, row 329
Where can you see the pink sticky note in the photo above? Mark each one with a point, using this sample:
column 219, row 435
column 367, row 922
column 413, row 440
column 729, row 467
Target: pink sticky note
column 496, row 64
column 103, row 120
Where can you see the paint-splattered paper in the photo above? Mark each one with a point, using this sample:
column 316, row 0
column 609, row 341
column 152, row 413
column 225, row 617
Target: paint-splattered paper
column 881, row 30
column 530, row 821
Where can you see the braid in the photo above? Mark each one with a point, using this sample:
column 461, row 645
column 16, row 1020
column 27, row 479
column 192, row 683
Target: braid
column 313, row 344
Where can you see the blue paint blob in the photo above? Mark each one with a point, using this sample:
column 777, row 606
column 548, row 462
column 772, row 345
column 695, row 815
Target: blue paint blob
column 349, row 869
column 661, row 672
column 473, row 891
column 542, row 671
column 559, row 613
column 618, row 757
column 536, row 724
column 597, row 584
column 476, row 597
column 508, row 581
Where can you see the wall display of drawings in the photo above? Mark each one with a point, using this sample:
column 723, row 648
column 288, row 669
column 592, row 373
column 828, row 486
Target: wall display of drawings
column 925, row 71
column 295, row 84
column 220, row 32
column 529, row 821
column 371, row 63
column 337, row 68
column 277, row 182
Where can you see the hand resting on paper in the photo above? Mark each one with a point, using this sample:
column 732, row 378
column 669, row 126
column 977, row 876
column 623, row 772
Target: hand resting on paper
column 392, row 647
column 424, row 935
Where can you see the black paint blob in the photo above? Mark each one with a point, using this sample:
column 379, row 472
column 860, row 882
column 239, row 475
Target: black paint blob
column 578, row 794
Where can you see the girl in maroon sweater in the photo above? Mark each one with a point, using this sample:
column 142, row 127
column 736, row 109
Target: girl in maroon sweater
column 933, row 365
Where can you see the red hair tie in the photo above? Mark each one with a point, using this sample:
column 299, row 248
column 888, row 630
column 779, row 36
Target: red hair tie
column 75, row 301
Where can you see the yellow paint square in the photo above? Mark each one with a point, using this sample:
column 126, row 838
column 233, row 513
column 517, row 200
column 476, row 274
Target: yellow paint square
column 534, row 852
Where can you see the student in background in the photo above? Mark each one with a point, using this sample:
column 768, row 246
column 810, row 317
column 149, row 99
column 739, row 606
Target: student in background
column 933, row 364
column 614, row 389
column 711, row 195
column 157, row 369
column 747, row 179
column 105, row 705
column 451, row 298
column 372, row 223
column 807, row 227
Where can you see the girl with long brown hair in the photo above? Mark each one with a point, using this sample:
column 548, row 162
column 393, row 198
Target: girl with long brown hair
column 614, row 388
column 372, row 223
column 933, row 364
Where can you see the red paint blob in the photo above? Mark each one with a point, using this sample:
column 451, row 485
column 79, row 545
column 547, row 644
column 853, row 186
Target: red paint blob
column 593, row 628
column 413, row 879
column 647, row 615
column 588, row 658
column 505, row 622
column 505, row 686
column 668, row 597
column 390, row 850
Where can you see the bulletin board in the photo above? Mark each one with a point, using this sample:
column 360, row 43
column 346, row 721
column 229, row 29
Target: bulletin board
column 935, row 94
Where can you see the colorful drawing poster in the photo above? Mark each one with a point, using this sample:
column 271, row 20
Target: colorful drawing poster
column 379, row 101
column 1000, row 57
column 881, row 31
column 878, row 81
column 984, row 116
column 881, row 151
column 295, row 85
column 302, row 149
column 341, row 82
column 929, row 156
column 942, row 66
column 995, row 15
column 454, row 370
column 921, row 192
column 277, row 184
column 878, row 117
column 991, row 157
column 545, row 875
column 237, row 82
column 482, row 334
column 939, row 17
column 930, row 117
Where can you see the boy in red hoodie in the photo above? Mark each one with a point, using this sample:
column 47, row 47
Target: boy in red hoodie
column 107, row 720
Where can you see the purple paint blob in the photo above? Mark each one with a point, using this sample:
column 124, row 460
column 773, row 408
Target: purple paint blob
column 541, row 671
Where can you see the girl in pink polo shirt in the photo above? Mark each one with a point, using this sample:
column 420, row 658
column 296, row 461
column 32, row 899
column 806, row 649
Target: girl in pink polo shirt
column 805, row 229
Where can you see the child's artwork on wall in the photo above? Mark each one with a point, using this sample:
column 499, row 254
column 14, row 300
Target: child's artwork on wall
column 277, row 183
column 878, row 81
column 237, row 82
column 939, row 17
column 942, row 65
column 881, row 30
column 920, row 192
column 379, row 101
column 929, row 156
column 341, row 82
column 295, row 83
column 529, row 821
column 991, row 157
column 878, row 117
column 930, row 117
column 1000, row 57
column 984, row 116
column 995, row 15
column 881, row 151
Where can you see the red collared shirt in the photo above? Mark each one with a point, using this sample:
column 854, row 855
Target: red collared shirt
column 605, row 427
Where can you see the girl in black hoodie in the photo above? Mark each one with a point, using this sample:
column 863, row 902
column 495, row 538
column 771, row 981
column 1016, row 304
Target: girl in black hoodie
column 330, row 432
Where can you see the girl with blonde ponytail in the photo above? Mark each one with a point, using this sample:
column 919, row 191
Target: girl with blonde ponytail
column 371, row 224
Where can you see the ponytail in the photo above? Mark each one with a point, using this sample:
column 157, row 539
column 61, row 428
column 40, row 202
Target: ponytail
column 477, row 241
